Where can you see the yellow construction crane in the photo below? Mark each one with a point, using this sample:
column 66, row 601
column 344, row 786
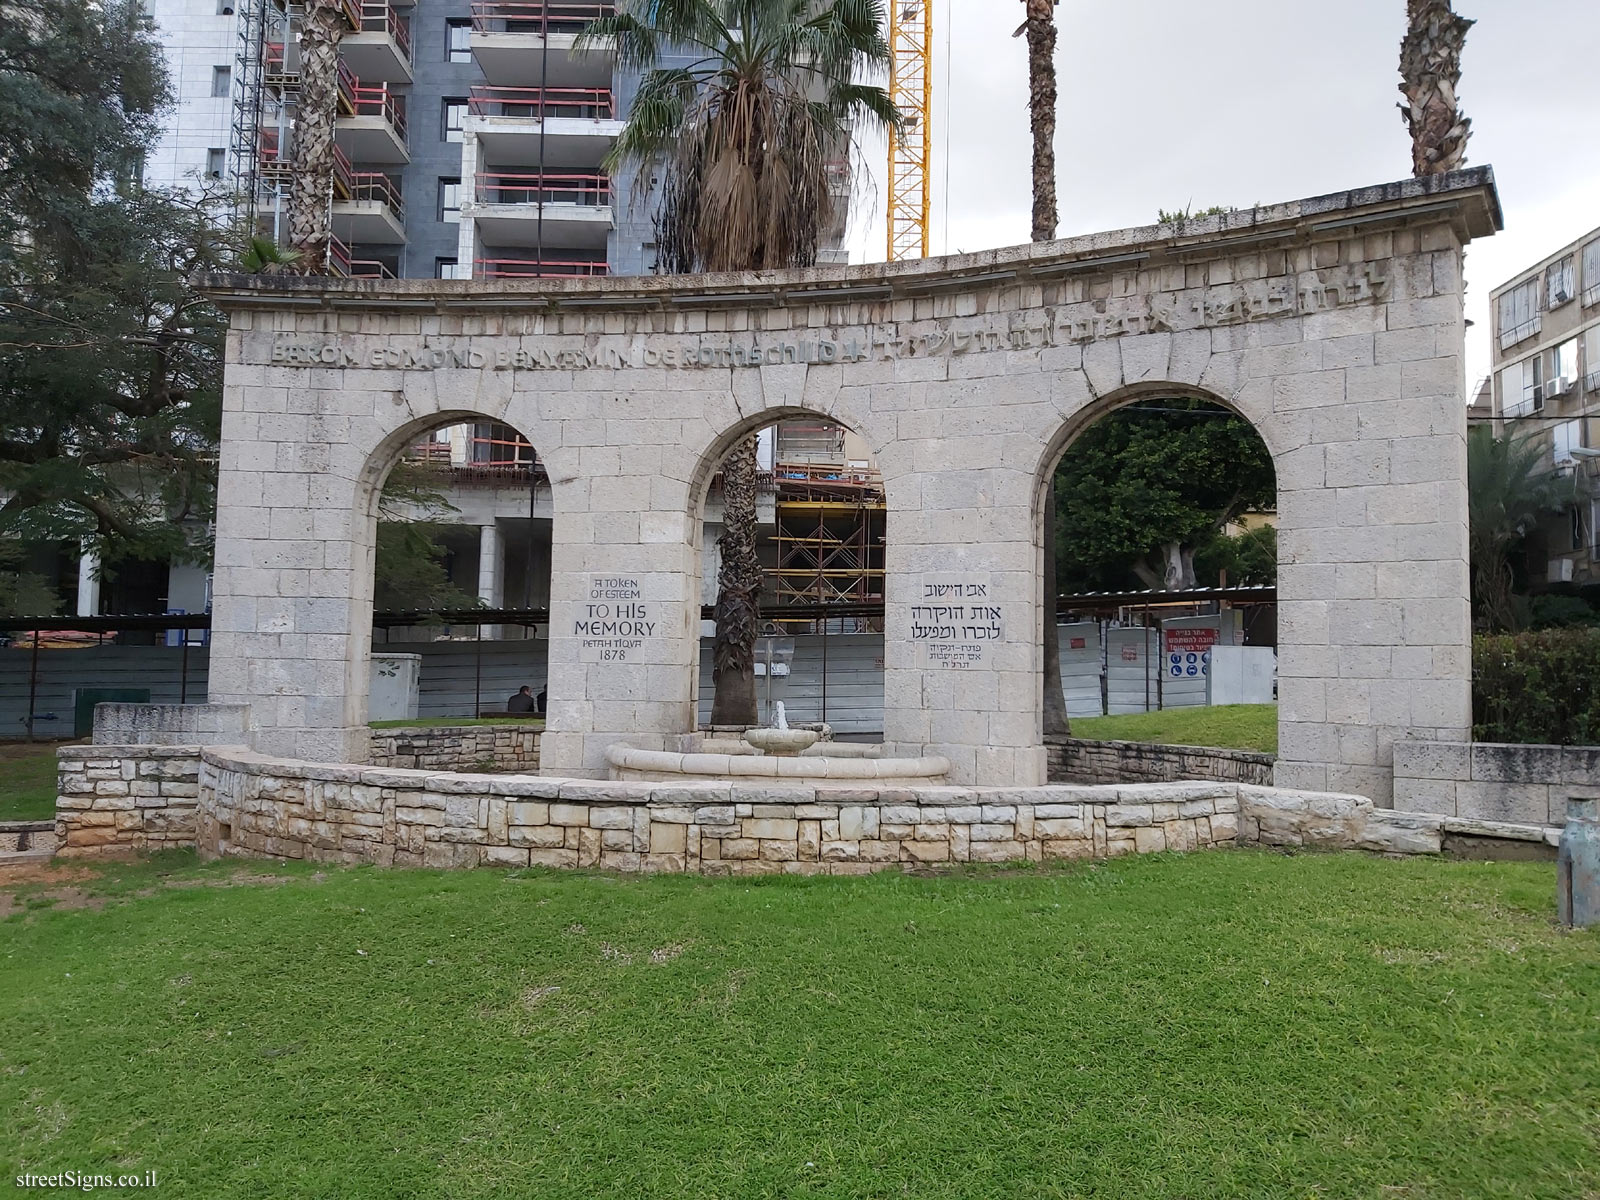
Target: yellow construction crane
column 910, row 152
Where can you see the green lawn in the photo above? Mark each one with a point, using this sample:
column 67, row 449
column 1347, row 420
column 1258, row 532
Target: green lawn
column 27, row 782
column 435, row 722
column 1213, row 1025
column 1234, row 726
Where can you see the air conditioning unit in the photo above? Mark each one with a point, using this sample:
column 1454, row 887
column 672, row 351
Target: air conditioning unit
column 1560, row 570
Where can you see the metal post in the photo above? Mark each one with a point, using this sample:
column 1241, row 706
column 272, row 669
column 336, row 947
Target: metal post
column 33, row 682
column 477, row 679
column 824, row 717
column 183, row 671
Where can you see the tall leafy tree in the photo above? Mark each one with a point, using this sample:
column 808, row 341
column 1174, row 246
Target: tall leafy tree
column 1510, row 489
column 1146, row 487
column 322, row 28
column 109, row 365
column 741, row 138
column 1040, row 28
column 1430, row 67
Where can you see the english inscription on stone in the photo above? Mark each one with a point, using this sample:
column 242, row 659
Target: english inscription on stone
column 1240, row 303
column 954, row 621
column 614, row 621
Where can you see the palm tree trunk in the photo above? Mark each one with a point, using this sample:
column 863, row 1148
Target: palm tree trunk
column 1430, row 65
column 311, row 198
column 1041, row 30
column 733, row 655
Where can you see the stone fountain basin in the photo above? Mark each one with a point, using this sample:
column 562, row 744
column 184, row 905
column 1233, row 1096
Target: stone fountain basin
column 781, row 741
column 667, row 766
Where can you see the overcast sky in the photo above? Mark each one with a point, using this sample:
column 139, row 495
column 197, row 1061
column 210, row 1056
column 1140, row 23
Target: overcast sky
column 1170, row 102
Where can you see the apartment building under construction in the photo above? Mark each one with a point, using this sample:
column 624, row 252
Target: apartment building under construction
column 470, row 134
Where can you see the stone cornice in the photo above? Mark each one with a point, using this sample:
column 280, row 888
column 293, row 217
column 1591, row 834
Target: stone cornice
column 1466, row 200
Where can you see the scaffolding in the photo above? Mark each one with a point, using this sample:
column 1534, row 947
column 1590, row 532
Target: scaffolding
column 829, row 534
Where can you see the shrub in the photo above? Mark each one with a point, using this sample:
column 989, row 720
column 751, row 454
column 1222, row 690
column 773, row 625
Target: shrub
column 1537, row 687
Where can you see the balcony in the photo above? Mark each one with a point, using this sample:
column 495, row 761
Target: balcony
column 380, row 51
column 509, row 38
column 371, row 127
column 576, row 209
column 576, row 125
column 547, row 268
column 353, row 264
column 280, row 66
column 367, row 207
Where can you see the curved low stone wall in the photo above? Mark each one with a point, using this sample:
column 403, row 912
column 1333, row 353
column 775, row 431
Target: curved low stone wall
column 234, row 802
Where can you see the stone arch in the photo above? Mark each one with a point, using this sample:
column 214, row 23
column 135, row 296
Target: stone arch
column 708, row 459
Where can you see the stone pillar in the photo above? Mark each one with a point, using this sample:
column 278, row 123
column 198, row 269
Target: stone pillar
column 962, row 663
column 88, row 584
column 491, row 573
column 291, row 621
column 624, row 628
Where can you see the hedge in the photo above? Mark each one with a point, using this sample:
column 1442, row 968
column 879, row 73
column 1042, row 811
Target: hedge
column 1537, row 688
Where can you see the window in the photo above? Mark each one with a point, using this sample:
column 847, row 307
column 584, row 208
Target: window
column 221, row 80
column 216, row 162
column 1520, row 394
column 458, row 41
column 449, row 199
column 1591, row 274
column 1558, row 283
column 1519, row 313
column 448, row 268
column 1568, row 436
column 455, row 112
column 224, row 8
column 1560, row 369
column 1591, row 358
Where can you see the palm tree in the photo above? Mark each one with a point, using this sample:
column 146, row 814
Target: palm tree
column 1430, row 64
column 1041, row 30
column 1510, row 488
column 741, row 138
column 310, row 201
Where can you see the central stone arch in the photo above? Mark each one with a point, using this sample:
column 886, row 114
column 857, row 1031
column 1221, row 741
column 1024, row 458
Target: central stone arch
column 1334, row 324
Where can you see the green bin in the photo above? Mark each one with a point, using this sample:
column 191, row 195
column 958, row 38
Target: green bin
column 84, row 700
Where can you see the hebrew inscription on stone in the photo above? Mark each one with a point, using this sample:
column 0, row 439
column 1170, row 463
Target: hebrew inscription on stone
column 954, row 621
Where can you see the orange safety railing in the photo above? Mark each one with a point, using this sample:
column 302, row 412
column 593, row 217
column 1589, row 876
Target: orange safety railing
column 510, row 449
column 370, row 100
column 523, row 268
column 536, row 16
column 594, row 103
column 352, row 12
column 496, row 187
column 377, row 16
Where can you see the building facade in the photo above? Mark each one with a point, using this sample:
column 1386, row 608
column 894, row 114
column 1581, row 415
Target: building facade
column 1546, row 384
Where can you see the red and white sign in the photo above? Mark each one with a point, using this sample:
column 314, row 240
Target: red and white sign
column 1078, row 644
column 1190, row 641
column 1130, row 654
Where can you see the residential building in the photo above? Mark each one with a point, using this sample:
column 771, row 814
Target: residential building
column 1546, row 381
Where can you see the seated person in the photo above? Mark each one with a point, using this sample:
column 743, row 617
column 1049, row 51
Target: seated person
column 539, row 704
column 522, row 702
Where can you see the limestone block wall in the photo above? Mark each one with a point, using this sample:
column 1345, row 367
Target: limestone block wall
column 1333, row 324
column 117, row 799
column 1493, row 781
column 233, row 801
column 1083, row 760
column 470, row 748
column 171, row 724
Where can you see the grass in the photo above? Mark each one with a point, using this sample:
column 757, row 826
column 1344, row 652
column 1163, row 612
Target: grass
column 437, row 722
column 27, row 781
column 1232, row 726
column 1212, row 1025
